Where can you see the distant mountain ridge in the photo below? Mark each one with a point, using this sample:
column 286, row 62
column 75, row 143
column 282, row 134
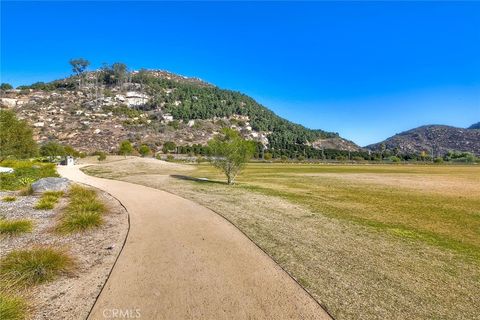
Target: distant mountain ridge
column 436, row 139
column 475, row 126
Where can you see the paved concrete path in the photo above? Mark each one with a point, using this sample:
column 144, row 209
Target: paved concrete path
column 183, row 261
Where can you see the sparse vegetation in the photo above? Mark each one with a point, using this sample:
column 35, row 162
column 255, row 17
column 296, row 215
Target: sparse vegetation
column 15, row 227
column 102, row 156
column 25, row 173
column 144, row 150
column 52, row 150
column 84, row 211
column 125, row 148
column 9, row 199
column 168, row 147
column 398, row 236
column 16, row 137
column 35, row 266
column 12, row 307
column 48, row 200
column 230, row 153
column 26, row 191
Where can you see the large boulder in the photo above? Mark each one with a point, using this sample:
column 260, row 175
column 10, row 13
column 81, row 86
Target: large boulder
column 50, row 184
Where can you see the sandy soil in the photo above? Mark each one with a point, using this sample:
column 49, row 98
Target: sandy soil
column 440, row 184
column 94, row 252
column 183, row 261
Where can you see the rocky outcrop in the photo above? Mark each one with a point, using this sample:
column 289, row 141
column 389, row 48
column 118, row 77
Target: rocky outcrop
column 335, row 144
column 51, row 184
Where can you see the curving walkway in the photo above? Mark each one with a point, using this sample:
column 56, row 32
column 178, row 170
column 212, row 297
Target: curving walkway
column 183, row 261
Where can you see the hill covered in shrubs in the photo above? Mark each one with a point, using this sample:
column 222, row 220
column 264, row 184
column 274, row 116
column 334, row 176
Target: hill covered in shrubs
column 96, row 110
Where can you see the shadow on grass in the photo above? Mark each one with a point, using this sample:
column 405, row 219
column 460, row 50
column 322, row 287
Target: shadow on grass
column 201, row 180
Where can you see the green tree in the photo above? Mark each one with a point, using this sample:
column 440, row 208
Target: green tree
column 119, row 72
column 6, row 86
column 16, row 137
column 267, row 156
column 169, row 146
column 230, row 152
column 78, row 67
column 52, row 150
column 125, row 148
column 102, row 156
column 144, row 150
column 70, row 151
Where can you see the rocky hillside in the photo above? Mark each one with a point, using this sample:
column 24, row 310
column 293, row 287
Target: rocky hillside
column 96, row 111
column 437, row 138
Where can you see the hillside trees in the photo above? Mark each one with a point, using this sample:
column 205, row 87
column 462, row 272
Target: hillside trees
column 79, row 66
column 119, row 72
column 52, row 150
column 144, row 150
column 16, row 137
column 6, row 86
column 125, row 148
column 230, row 152
column 201, row 101
column 169, row 146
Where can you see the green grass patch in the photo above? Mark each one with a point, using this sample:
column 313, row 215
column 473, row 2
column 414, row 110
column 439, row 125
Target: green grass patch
column 370, row 195
column 84, row 211
column 48, row 200
column 26, row 172
column 27, row 190
column 35, row 266
column 12, row 307
column 9, row 199
column 15, row 227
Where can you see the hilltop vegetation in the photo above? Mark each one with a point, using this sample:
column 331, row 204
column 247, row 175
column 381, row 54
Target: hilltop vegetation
column 475, row 126
column 433, row 140
column 150, row 107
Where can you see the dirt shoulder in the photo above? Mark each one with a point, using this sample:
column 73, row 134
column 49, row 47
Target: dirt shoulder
column 95, row 252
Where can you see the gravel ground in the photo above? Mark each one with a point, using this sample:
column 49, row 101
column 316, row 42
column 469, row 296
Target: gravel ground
column 95, row 251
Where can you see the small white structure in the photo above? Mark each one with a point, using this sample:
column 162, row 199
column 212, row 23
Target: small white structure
column 68, row 161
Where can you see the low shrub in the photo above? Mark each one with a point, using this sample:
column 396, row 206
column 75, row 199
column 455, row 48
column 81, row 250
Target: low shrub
column 12, row 307
column 9, row 199
column 25, row 172
column 26, row 191
column 84, row 211
column 102, row 156
column 79, row 221
column 48, row 200
column 15, row 227
column 35, row 266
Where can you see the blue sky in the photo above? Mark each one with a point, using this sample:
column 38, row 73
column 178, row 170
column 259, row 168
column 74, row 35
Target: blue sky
column 367, row 70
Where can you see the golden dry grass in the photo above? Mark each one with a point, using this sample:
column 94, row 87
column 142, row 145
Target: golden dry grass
column 369, row 242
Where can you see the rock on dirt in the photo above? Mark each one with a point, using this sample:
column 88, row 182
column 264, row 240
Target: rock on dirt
column 51, row 184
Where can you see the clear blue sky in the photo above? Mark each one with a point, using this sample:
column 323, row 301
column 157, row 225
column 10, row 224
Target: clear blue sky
column 365, row 70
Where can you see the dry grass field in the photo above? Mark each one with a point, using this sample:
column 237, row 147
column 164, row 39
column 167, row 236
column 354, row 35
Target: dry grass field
column 367, row 241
